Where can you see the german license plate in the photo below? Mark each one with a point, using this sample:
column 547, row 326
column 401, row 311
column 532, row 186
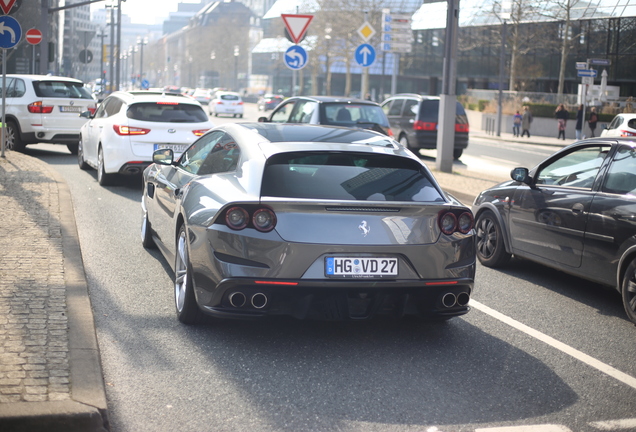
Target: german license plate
column 177, row 148
column 71, row 109
column 356, row 267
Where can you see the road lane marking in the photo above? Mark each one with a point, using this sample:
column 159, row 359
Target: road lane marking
column 624, row 424
column 590, row 361
column 529, row 428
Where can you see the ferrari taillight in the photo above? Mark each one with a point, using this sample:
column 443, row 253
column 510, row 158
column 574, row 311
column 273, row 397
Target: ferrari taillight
column 450, row 223
column 261, row 218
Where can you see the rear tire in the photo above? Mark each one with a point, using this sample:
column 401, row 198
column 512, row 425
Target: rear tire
column 457, row 153
column 405, row 142
column 72, row 148
column 491, row 249
column 12, row 137
column 188, row 311
column 628, row 291
column 102, row 178
column 80, row 157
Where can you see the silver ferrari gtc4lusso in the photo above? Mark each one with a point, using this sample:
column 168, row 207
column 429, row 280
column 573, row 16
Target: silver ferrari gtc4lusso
column 318, row 222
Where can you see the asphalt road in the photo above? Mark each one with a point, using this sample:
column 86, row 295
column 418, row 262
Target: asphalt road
column 538, row 348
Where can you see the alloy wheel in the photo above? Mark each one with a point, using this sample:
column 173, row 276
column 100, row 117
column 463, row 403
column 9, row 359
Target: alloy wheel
column 181, row 272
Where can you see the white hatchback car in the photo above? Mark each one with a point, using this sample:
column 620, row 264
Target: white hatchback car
column 129, row 126
column 623, row 125
column 45, row 109
column 226, row 103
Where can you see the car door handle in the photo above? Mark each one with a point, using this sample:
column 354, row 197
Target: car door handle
column 577, row 208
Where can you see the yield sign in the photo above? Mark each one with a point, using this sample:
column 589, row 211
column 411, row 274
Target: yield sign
column 6, row 5
column 33, row 36
column 296, row 25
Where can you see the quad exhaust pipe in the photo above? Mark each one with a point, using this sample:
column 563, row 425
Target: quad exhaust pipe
column 257, row 301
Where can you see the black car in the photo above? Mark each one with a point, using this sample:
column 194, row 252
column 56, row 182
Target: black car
column 331, row 110
column 575, row 211
column 414, row 120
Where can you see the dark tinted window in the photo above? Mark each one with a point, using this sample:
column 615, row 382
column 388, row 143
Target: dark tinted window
column 166, row 112
column 347, row 176
column 344, row 114
column 229, row 97
column 621, row 176
column 61, row 89
column 429, row 111
column 396, row 107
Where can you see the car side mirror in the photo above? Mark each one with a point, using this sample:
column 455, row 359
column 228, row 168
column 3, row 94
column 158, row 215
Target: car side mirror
column 263, row 120
column 163, row 156
column 86, row 115
column 520, row 175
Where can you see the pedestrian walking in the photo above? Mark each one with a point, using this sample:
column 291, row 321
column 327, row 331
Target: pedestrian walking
column 516, row 124
column 592, row 121
column 526, row 121
column 579, row 123
column 561, row 115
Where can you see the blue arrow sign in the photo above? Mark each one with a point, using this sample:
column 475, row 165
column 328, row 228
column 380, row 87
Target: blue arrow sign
column 365, row 55
column 586, row 72
column 295, row 57
column 10, row 32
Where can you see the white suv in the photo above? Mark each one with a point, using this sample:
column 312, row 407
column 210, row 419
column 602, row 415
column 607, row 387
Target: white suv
column 129, row 126
column 45, row 109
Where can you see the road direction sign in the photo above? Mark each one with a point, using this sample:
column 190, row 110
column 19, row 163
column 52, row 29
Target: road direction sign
column 587, row 80
column 10, row 32
column 581, row 65
column 296, row 25
column 7, row 5
column 295, row 57
column 365, row 55
column 600, row 62
column 366, row 32
column 400, row 47
column 587, row 72
column 33, row 36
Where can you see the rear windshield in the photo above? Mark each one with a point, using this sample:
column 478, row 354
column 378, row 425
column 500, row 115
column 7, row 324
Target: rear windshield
column 61, row 89
column 167, row 112
column 429, row 110
column 347, row 176
column 343, row 114
column 229, row 97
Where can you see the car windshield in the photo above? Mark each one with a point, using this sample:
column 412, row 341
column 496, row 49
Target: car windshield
column 347, row 176
column 166, row 112
column 61, row 89
column 345, row 114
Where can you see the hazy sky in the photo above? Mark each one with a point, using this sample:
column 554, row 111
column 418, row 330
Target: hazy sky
column 146, row 11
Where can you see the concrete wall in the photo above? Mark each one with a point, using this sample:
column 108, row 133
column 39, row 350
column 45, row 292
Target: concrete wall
column 541, row 126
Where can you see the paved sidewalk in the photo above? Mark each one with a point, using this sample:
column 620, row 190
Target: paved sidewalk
column 50, row 372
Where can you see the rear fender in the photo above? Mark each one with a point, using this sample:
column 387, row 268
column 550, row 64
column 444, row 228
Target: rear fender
column 503, row 223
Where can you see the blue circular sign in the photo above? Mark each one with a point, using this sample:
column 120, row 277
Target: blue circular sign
column 365, row 55
column 10, row 32
column 296, row 57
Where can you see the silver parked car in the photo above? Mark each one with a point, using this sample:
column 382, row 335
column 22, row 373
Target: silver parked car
column 323, row 222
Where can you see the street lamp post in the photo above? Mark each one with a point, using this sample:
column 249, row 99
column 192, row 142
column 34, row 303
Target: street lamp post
column 141, row 42
column 236, row 55
column 327, row 65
